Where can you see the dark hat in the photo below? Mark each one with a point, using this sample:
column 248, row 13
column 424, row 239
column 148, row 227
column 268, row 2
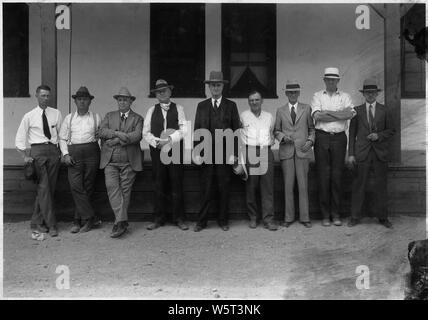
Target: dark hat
column 160, row 85
column 292, row 85
column 82, row 92
column 370, row 85
column 124, row 92
column 216, row 76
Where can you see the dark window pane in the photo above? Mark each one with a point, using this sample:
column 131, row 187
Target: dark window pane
column 249, row 48
column 177, row 47
column 15, row 50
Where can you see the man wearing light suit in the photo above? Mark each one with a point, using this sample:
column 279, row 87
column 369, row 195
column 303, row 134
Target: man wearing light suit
column 295, row 131
column 121, row 156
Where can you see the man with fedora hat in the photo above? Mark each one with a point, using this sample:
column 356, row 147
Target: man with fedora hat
column 257, row 138
column 121, row 156
column 295, row 131
column 331, row 110
column 369, row 135
column 164, row 117
column 216, row 113
column 81, row 153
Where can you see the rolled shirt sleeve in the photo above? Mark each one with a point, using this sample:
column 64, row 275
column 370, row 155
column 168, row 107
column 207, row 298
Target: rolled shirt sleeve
column 147, row 135
column 182, row 124
column 21, row 134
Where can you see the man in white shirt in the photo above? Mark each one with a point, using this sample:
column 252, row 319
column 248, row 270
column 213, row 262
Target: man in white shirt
column 161, row 118
column 40, row 128
column 81, row 152
column 257, row 137
column 331, row 110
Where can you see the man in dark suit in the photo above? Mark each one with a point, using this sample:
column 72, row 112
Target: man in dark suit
column 369, row 135
column 121, row 156
column 216, row 113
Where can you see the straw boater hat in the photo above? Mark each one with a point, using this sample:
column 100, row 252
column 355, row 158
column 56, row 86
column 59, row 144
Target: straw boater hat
column 370, row 85
column 124, row 92
column 292, row 85
column 82, row 92
column 331, row 73
column 160, row 85
column 216, row 76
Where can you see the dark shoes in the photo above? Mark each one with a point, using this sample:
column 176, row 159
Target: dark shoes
column 53, row 231
column 386, row 223
column 253, row 224
column 224, row 227
column 307, row 224
column 198, row 227
column 42, row 228
column 76, row 227
column 119, row 229
column 182, row 225
column 89, row 224
column 337, row 222
column 154, row 225
column 353, row 222
column 326, row 222
column 286, row 223
column 271, row 226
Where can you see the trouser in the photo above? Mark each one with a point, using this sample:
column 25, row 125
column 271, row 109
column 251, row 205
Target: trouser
column 47, row 163
column 359, row 186
column 119, row 180
column 293, row 168
column 265, row 183
column 81, row 177
column 215, row 175
column 164, row 177
column 330, row 151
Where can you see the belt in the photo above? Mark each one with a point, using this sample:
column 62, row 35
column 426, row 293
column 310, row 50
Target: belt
column 330, row 133
column 43, row 143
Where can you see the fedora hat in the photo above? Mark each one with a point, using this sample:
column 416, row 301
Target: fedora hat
column 239, row 168
column 82, row 92
column 331, row 73
column 292, row 85
column 161, row 84
column 370, row 85
column 124, row 92
column 216, row 76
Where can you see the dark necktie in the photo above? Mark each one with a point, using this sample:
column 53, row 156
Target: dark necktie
column 371, row 119
column 215, row 105
column 293, row 114
column 122, row 117
column 46, row 130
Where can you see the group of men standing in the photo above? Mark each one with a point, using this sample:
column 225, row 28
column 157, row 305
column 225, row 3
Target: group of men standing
column 113, row 144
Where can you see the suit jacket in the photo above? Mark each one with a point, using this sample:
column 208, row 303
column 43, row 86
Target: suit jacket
column 359, row 145
column 133, row 128
column 229, row 118
column 300, row 132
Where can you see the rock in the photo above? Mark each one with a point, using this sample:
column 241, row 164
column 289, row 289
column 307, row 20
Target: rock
column 214, row 290
column 135, row 284
column 217, row 296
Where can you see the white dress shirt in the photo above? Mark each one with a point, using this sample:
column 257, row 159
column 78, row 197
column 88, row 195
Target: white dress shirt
column 293, row 105
column 82, row 130
column 257, row 131
column 338, row 101
column 175, row 136
column 218, row 101
column 31, row 127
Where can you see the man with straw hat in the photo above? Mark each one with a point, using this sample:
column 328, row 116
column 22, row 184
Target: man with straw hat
column 81, row 153
column 369, row 135
column 121, row 156
column 331, row 110
column 165, row 123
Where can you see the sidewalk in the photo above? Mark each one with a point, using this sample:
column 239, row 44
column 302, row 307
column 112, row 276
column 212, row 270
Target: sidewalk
column 243, row 263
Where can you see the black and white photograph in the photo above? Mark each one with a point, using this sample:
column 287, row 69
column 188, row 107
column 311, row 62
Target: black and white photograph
column 215, row 151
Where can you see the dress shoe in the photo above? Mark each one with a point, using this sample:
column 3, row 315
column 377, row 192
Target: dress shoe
column 224, row 227
column 386, row 223
column 286, row 223
column 353, row 222
column 87, row 226
column 253, row 224
column 154, row 225
column 337, row 222
column 120, row 230
column 198, row 228
column 42, row 228
column 76, row 227
column 53, row 231
column 271, row 226
column 307, row 224
column 326, row 223
column 182, row 225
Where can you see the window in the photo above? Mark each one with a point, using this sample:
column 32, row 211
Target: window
column 249, row 49
column 15, row 50
column 412, row 60
column 177, row 47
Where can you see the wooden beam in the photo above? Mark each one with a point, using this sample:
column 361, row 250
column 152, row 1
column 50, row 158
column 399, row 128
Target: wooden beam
column 404, row 7
column 379, row 8
column 49, row 49
column 392, row 56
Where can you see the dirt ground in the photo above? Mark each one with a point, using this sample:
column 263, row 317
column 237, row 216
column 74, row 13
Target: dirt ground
column 243, row 263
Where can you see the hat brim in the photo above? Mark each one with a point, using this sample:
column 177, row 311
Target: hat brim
column 119, row 95
column 297, row 89
column 331, row 77
column 215, row 81
column 76, row 96
column 159, row 89
column 362, row 91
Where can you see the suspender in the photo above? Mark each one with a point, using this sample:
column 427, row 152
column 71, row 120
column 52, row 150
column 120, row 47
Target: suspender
column 69, row 126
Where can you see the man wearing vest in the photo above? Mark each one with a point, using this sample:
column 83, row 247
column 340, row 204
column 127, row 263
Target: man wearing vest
column 216, row 113
column 81, row 153
column 121, row 156
column 164, row 126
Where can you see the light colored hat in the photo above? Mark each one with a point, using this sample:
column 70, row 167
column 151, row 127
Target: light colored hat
column 216, row 76
column 332, row 73
column 161, row 84
column 292, row 85
column 124, row 92
column 370, row 85
column 239, row 168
